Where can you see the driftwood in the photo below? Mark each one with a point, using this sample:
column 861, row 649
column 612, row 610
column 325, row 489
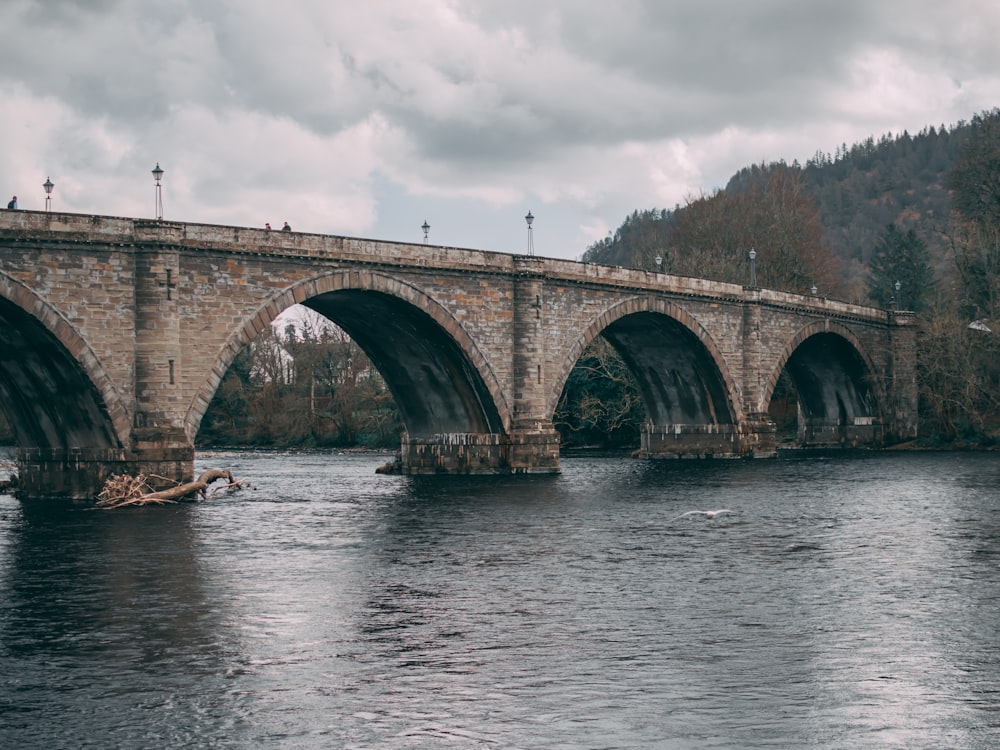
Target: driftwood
column 8, row 485
column 123, row 490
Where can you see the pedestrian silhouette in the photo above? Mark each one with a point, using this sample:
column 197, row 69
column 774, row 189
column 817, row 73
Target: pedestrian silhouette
column 13, row 203
column 267, row 225
column 286, row 228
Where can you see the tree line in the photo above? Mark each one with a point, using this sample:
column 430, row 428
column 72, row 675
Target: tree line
column 306, row 384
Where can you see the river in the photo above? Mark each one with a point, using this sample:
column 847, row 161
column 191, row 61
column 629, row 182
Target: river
column 844, row 601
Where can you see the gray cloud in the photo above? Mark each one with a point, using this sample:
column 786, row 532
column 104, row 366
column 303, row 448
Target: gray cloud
column 593, row 109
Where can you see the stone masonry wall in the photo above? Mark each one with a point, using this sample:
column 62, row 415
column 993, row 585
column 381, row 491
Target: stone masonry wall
column 165, row 306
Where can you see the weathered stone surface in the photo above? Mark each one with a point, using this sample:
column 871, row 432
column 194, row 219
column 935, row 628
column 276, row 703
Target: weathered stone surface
column 141, row 319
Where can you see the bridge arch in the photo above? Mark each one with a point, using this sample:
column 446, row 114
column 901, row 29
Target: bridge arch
column 836, row 381
column 439, row 377
column 645, row 330
column 58, row 395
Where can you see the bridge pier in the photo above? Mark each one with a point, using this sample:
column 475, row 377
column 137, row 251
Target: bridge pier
column 757, row 438
column 80, row 473
column 534, row 441
column 689, row 441
column 162, row 452
column 75, row 473
column 820, row 433
column 522, row 452
column 453, row 453
column 534, row 450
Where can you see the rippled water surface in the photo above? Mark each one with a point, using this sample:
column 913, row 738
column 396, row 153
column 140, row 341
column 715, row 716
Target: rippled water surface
column 845, row 602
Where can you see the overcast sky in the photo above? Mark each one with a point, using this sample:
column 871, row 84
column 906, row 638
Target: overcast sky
column 367, row 118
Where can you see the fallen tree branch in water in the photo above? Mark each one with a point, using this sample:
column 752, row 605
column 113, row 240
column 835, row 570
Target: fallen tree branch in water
column 122, row 490
column 8, row 485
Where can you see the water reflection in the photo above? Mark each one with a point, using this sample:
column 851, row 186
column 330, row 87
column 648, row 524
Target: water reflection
column 109, row 610
column 843, row 603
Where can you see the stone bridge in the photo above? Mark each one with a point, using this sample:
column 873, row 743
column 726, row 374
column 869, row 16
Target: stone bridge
column 115, row 334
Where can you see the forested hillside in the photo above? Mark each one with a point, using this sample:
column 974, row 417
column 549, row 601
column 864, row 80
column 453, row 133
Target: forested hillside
column 841, row 203
column 899, row 180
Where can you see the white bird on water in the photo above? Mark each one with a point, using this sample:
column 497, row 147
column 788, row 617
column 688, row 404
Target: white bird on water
column 706, row 513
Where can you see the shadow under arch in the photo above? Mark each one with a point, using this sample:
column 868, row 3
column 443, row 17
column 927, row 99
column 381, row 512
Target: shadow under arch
column 439, row 378
column 53, row 389
column 678, row 367
column 839, row 395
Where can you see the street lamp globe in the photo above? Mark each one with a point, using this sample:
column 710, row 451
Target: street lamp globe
column 531, row 241
column 157, row 176
column 48, row 185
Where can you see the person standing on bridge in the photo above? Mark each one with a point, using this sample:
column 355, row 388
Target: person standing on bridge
column 13, row 204
column 286, row 228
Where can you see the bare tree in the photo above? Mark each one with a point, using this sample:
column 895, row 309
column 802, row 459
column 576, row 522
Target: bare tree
column 768, row 211
column 958, row 374
column 601, row 402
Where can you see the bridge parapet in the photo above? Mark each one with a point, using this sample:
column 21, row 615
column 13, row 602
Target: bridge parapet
column 91, row 229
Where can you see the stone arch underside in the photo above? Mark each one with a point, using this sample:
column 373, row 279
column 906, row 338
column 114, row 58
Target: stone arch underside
column 436, row 387
column 679, row 381
column 834, row 379
column 678, row 368
column 54, row 402
column 439, row 379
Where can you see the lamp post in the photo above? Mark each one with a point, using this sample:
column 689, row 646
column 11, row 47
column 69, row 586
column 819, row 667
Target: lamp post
column 813, row 290
column 531, row 242
column 899, row 304
column 426, row 227
column 157, row 176
column 753, row 267
column 659, row 262
column 48, row 185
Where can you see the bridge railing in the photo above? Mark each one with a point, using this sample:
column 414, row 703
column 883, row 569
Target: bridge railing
column 34, row 225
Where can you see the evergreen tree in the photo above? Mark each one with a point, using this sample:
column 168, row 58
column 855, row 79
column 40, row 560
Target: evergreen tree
column 900, row 257
column 975, row 182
